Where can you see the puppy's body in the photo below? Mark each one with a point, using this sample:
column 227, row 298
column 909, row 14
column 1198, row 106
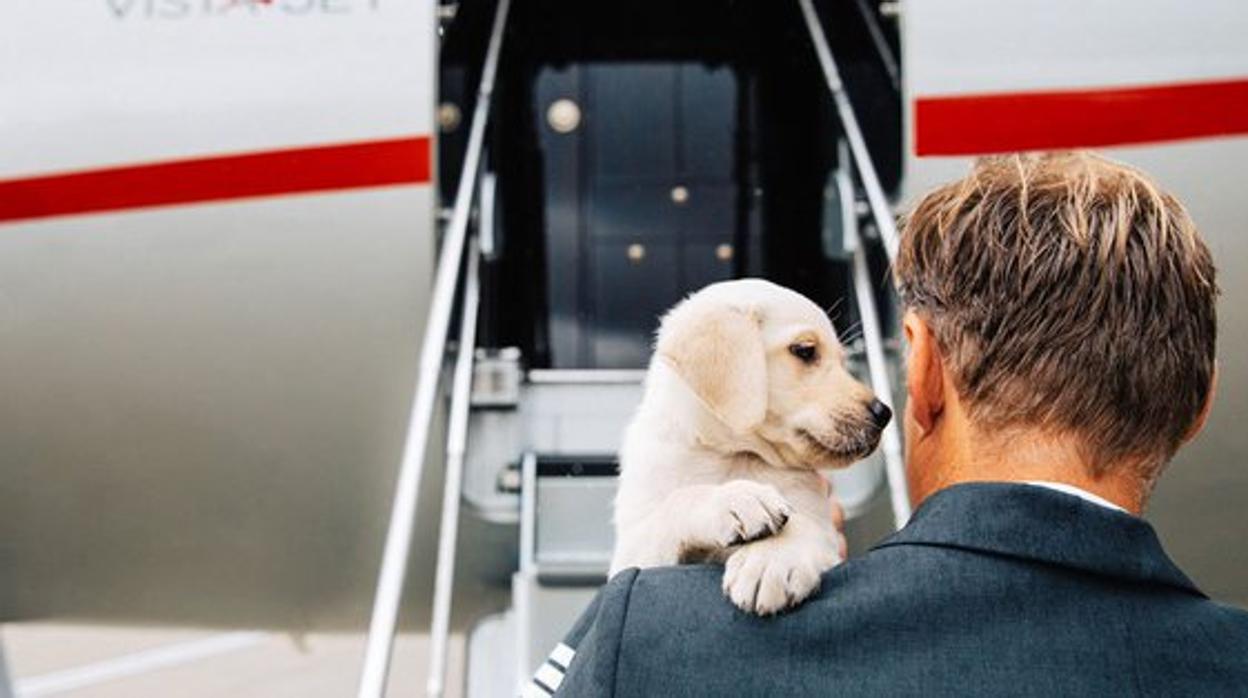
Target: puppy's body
column 719, row 462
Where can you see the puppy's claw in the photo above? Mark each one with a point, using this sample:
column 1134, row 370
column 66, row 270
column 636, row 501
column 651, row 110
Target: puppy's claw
column 744, row 511
column 739, row 528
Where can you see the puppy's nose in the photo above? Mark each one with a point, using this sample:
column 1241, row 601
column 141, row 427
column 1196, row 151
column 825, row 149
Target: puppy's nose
column 880, row 414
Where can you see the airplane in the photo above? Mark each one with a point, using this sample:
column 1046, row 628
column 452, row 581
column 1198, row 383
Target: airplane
column 239, row 240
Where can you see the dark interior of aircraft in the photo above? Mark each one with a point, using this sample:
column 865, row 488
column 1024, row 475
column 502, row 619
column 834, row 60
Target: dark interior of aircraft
column 637, row 161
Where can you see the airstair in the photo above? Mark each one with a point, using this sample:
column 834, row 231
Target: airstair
column 648, row 179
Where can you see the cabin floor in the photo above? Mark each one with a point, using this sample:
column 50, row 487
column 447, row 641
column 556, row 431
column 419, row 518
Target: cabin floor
column 79, row 661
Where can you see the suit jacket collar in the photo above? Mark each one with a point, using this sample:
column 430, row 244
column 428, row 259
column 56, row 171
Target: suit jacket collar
column 1036, row 523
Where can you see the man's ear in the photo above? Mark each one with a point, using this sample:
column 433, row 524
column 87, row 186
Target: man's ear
column 718, row 351
column 1199, row 424
column 925, row 387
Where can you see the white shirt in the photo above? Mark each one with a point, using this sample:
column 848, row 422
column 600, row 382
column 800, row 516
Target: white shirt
column 1078, row 492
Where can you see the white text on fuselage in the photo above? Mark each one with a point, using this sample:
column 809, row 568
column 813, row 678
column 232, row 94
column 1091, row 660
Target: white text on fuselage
column 188, row 9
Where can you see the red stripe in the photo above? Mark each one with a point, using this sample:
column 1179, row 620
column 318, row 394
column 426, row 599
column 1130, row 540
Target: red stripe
column 996, row 123
column 219, row 178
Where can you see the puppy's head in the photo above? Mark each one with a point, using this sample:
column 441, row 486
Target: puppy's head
column 765, row 361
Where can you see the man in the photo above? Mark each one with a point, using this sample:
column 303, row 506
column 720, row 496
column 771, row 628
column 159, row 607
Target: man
column 1059, row 312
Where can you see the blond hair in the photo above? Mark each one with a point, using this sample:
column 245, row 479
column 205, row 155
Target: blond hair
column 1067, row 292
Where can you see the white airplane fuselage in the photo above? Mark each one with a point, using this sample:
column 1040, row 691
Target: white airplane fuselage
column 217, row 226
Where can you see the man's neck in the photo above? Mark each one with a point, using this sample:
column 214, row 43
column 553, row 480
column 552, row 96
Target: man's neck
column 1028, row 459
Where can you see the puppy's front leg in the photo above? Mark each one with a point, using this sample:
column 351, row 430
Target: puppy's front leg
column 772, row 574
column 700, row 522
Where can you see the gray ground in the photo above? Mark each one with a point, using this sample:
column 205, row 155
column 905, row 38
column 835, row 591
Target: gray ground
column 76, row 661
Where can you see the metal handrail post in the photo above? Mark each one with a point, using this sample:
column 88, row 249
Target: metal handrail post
column 882, row 48
column 880, row 209
column 886, row 227
column 6, row 680
column 456, row 442
column 393, row 571
column 890, row 440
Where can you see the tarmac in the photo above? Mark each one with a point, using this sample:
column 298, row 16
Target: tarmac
column 79, row 661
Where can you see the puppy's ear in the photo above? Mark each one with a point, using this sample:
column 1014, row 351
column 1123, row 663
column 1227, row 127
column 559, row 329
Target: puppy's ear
column 718, row 351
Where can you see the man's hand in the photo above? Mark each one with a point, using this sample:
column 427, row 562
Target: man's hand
column 838, row 522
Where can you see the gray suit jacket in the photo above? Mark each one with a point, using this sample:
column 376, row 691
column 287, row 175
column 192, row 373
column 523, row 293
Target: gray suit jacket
column 992, row 589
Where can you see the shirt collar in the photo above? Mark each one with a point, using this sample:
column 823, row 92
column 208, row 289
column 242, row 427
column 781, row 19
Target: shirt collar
column 1077, row 492
column 1037, row 523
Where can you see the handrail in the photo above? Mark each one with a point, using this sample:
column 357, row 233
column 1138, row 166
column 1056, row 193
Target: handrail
column 886, row 227
column 890, row 440
column 6, row 681
column 393, row 571
column 456, row 443
column 882, row 48
column 880, row 210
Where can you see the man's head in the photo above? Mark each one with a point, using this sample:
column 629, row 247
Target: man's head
column 1056, row 304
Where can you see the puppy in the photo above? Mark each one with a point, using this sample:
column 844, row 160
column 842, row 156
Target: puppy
column 746, row 397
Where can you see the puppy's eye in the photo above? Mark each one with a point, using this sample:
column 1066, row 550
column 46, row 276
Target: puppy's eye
column 808, row 353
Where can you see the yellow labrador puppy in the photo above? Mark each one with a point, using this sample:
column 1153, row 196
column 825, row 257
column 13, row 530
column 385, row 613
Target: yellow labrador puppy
column 746, row 397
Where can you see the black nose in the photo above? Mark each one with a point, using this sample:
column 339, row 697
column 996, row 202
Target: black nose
column 880, row 414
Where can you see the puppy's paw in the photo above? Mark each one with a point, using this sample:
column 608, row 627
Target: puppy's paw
column 743, row 511
column 769, row 576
